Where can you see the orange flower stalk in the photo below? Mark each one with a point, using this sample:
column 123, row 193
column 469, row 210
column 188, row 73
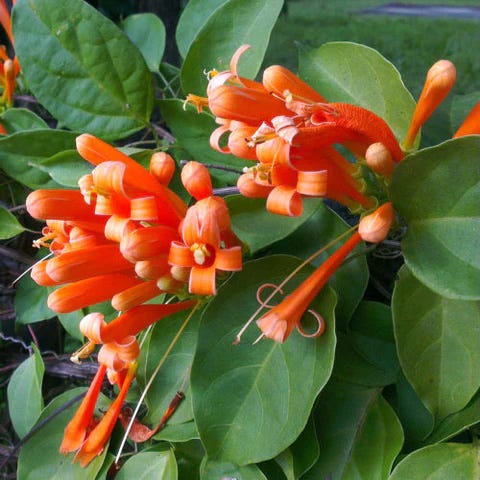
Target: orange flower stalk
column 279, row 322
column 440, row 80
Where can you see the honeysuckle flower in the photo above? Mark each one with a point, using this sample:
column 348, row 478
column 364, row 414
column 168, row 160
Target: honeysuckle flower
column 203, row 231
column 440, row 80
column 280, row 320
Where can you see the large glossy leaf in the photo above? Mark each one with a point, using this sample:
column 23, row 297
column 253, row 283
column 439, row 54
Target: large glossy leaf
column 175, row 369
column 66, row 168
column 437, row 191
column 39, row 457
column 25, row 402
column 193, row 18
column 350, row 280
column 234, row 23
column 440, row 462
column 457, row 422
column 22, row 154
column 147, row 32
column 148, row 465
column 352, row 73
column 257, row 228
column 192, row 132
column 82, row 67
column 359, row 434
column 251, row 401
column 213, row 469
column 9, row 225
column 438, row 344
column 31, row 302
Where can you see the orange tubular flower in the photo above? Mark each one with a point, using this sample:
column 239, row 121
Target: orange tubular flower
column 135, row 176
column 471, row 124
column 76, row 430
column 281, row 81
column 131, row 322
column 98, row 437
column 279, row 322
column 117, row 361
column 202, row 231
column 440, row 80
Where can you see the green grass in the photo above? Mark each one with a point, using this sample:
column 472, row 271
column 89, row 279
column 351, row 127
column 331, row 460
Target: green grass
column 412, row 44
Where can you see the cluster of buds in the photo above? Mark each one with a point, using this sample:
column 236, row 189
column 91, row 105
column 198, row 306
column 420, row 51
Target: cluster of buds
column 126, row 237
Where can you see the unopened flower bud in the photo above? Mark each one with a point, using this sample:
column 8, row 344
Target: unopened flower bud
column 374, row 227
column 162, row 166
column 196, row 180
column 379, row 159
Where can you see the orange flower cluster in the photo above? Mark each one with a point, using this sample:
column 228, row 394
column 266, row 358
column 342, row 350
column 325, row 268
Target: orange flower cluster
column 9, row 68
column 290, row 130
column 126, row 237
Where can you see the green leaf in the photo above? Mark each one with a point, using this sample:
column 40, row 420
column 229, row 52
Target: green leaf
column 353, row 367
column 438, row 345
column 302, row 453
column 20, row 119
column 82, row 67
column 214, row 469
column 66, row 168
column 217, row 40
column 178, row 432
column 71, row 321
column 457, row 422
column 31, row 302
column 352, row 73
column 359, row 434
column 147, row 32
column 257, row 228
column 437, row 191
column 461, row 106
column 417, row 422
column 175, row 369
column 9, row 225
column 440, row 462
column 252, row 401
column 148, row 465
column 22, row 154
column 194, row 16
column 39, row 457
column 192, row 132
column 25, row 402
column 351, row 278
column 371, row 331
